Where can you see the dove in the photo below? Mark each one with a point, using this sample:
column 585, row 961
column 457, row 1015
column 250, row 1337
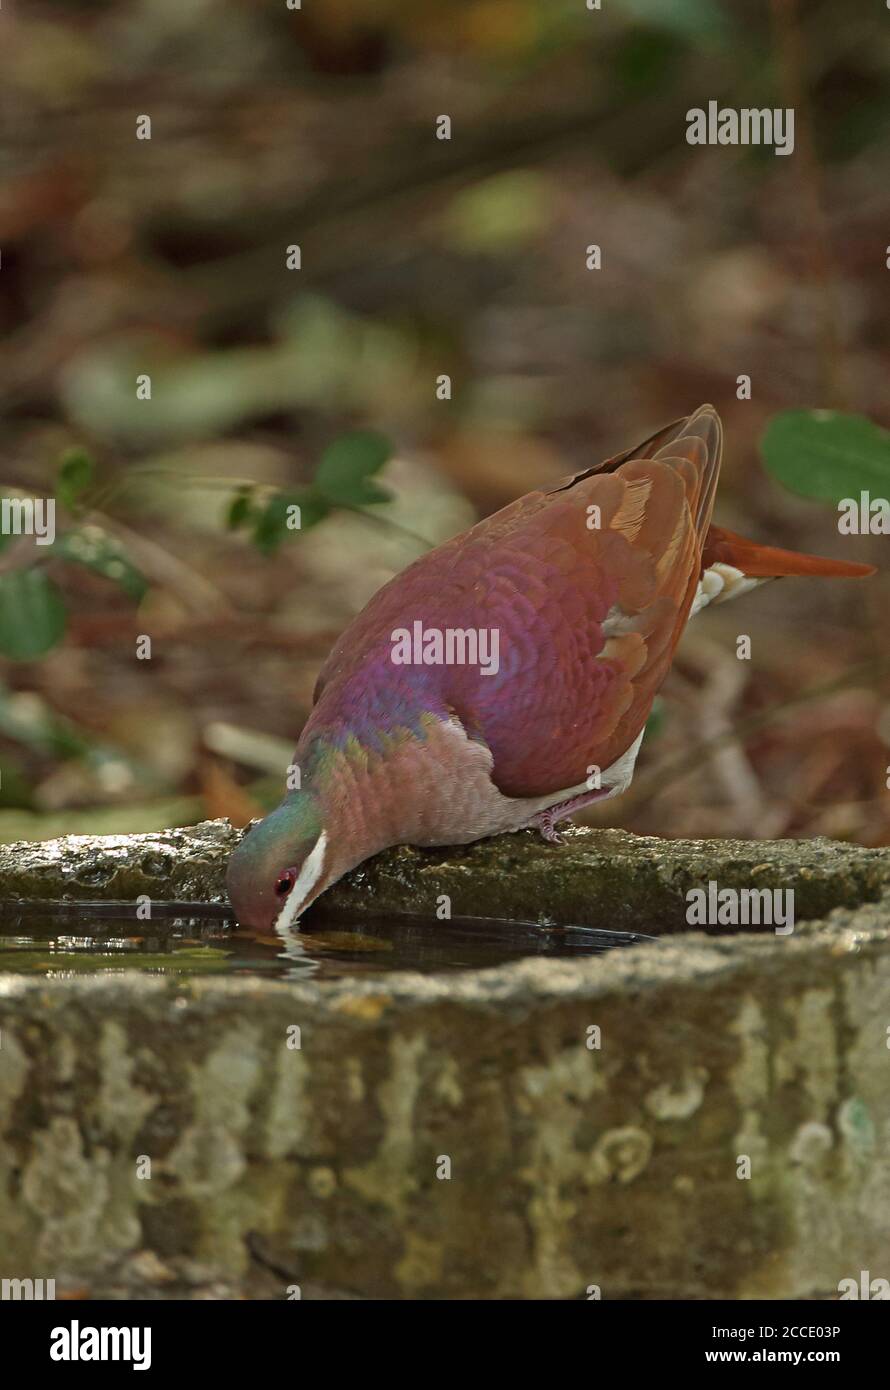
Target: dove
column 504, row 679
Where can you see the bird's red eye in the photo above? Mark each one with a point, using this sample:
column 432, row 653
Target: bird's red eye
column 286, row 882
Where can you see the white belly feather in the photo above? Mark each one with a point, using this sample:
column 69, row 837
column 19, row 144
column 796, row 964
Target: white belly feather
column 719, row 583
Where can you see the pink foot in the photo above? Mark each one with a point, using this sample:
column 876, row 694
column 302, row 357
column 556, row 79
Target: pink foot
column 547, row 828
column 546, row 821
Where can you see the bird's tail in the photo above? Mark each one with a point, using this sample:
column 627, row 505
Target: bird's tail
column 767, row 562
column 697, row 440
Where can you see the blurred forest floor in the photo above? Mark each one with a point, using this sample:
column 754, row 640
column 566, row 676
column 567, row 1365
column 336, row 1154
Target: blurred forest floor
column 422, row 257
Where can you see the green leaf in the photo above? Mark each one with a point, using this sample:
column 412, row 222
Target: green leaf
column 827, row 455
column 241, row 509
column 75, row 475
column 286, row 515
column 92, row 547
column 347, row 464
column 32, row 614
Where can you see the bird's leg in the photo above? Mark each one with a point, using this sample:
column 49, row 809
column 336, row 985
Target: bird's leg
column 546, row 821
column 547, row 829
column 616, row 779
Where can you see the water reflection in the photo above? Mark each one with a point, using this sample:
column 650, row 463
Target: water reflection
column 50, row 940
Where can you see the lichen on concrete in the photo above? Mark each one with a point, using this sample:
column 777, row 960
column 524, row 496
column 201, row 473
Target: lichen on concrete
column 187, row 863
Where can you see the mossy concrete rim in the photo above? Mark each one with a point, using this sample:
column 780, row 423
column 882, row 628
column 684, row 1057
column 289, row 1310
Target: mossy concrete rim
column 595, row 878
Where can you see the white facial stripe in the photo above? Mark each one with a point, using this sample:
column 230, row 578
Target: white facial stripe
column 313, row 866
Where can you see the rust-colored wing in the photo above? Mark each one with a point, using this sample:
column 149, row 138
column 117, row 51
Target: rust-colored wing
column 592, row 590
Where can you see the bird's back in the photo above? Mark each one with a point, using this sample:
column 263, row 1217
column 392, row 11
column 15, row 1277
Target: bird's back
column 587, row 585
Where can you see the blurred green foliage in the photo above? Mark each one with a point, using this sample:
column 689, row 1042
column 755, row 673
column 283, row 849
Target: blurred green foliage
column 75, row 474
column 32, row 614
column 827, row 455
column 32, row 610
column 342, row 479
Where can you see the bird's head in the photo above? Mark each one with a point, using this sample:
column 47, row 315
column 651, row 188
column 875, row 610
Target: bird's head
column 280, row 866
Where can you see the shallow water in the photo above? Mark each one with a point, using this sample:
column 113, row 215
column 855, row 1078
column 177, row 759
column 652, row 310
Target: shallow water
column 53, row 940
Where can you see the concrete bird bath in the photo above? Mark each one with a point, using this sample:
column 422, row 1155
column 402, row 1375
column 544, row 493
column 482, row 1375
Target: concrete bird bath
column 542, row 1128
